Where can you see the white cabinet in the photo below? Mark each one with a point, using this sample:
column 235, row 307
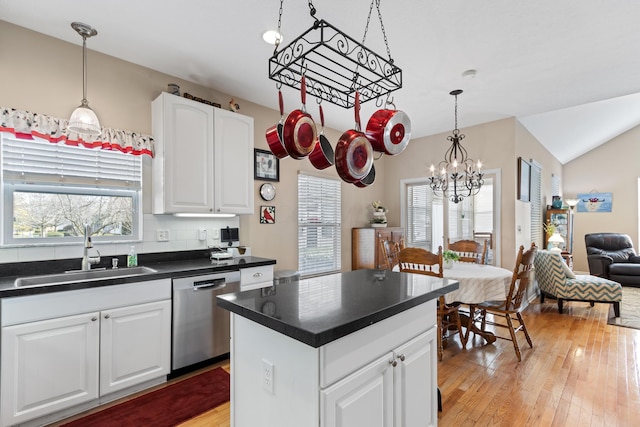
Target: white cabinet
column 48, row 366
column 256, row 277
column 388, row 392
column 75, row 347
column 382, row 375
column 203, row 161
column 135, row 345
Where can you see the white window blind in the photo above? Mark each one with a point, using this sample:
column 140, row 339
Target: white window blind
column 420, row 226
column 30, row 161
column 536, row 203
column 319, row 220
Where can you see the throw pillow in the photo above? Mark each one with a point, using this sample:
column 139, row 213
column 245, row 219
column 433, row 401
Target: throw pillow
column 567, row 271
column 635, row 259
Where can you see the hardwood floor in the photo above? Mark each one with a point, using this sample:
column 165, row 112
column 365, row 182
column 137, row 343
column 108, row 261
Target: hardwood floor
column 580, row 372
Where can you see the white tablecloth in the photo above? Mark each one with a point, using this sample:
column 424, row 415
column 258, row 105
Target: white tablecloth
column 478, row 283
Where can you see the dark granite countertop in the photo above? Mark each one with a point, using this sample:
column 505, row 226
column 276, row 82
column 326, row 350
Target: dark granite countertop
column 319, row 310
column 167, row 265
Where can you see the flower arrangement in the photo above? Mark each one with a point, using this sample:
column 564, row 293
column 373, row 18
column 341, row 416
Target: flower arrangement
column 549, row 228
column 379, row 215
column 377, row 207
column 450, row 256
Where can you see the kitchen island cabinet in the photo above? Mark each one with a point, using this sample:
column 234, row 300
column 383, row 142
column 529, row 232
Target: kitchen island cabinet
column 203, row 161
column 356, row 348
column 65, row 352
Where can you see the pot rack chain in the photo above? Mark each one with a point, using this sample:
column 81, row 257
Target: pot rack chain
column 335, row 65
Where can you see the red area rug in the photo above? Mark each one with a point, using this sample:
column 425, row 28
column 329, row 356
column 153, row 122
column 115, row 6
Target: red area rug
column 165, row 407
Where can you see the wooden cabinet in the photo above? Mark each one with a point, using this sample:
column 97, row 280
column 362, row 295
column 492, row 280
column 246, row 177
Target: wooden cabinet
column 389, row 391
column 203, row 162
column 68, row 348
column 366, row 251
column 562, row 219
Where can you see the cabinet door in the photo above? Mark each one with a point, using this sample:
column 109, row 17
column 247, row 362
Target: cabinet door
column 135, row 345
column 364, row 398
column 415, row 382
column 183, row 165
column 48, row 366
column 234, row 192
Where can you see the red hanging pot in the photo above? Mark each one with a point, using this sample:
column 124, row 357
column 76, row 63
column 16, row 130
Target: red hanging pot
column 354, row 155
column 389, row 131
column 299, row 132
column 274, row 133
column 322, row 155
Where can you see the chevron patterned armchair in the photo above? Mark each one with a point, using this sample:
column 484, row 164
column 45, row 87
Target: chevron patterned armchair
column 556, row 280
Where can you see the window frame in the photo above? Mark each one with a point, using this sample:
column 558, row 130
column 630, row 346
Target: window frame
column 50, row 183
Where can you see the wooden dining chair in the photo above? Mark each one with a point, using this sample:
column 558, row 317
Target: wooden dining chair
column 469, row 250
column 505, row 313
column 390, row 252
column 421, row 261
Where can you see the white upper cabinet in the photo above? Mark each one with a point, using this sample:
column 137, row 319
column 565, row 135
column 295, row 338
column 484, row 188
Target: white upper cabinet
column 203, row 160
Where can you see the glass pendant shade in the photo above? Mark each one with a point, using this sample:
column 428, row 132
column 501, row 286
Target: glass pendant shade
column 84, row 121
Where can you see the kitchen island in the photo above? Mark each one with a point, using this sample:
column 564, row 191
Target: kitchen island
column 350, row 349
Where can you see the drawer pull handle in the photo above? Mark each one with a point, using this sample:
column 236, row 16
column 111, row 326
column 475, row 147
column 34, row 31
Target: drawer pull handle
column 401, row 357
column 106, row 316
column 393, row 363
column 258, row 274
column 94, row 318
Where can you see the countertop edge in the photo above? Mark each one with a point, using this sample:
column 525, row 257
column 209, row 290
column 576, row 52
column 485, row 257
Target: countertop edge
column 164, row 270
column 319, row 339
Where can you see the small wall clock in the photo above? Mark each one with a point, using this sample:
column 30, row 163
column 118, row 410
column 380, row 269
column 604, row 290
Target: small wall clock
column 267, row 192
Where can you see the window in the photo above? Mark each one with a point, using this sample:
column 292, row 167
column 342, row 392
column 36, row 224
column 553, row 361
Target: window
column 50, row 191
column 319, row 212
column 536, row 202
column 422, row 206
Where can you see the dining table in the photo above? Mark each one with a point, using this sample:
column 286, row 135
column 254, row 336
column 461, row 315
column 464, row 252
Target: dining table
column 477, row 283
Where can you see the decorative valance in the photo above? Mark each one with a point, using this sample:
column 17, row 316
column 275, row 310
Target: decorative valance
column 24, row 124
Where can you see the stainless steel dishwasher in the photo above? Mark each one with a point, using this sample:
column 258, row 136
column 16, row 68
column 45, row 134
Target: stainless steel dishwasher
column 200, row 327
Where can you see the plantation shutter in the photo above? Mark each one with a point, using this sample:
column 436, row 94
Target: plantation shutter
column 37, row 162
column 319, row 220
column 536, row 203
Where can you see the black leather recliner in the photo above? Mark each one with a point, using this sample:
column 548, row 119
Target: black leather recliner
column 611, row 255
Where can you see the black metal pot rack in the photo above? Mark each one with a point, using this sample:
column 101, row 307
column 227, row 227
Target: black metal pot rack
column 335, row 65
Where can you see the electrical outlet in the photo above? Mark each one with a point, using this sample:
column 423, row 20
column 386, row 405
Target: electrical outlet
column 267, row 376
column 162, row 235
column 216, row 233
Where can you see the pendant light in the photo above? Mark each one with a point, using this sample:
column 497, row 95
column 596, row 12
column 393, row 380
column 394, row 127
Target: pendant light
column 83, row 120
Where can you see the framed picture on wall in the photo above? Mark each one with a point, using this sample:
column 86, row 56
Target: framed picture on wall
column 266, row 166
column 524, row 178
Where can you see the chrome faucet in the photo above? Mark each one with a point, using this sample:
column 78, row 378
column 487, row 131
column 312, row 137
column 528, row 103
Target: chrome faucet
column 87, row 260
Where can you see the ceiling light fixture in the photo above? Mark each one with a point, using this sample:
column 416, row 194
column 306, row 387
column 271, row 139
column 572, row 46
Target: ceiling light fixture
column 457, row 177
column 83, row 120
column 272, row 37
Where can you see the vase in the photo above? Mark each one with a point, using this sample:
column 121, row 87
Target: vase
column 378, row 225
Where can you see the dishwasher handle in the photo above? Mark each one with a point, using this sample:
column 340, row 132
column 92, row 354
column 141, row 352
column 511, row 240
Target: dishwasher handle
column 213, row 284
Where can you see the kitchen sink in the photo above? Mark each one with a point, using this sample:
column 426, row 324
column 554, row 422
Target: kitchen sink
column 81, row 276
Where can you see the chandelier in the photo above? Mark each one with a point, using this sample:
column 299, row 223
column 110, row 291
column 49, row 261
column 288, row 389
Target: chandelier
column 335, row 65
column 457, row 176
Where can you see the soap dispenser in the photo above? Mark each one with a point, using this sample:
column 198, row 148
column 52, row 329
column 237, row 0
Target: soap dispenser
column 132, row 257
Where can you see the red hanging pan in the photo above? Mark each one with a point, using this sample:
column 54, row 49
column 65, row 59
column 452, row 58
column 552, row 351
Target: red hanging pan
column 274, row 133
column 322, row 155
column 354, row 155
column 389, row 131
column 299, row 132
column 367, row 180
